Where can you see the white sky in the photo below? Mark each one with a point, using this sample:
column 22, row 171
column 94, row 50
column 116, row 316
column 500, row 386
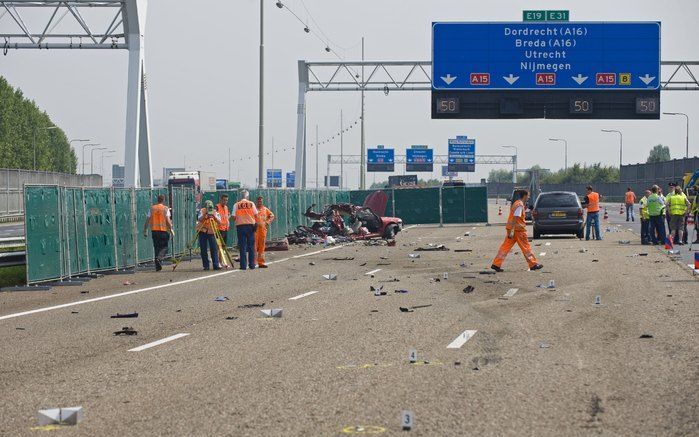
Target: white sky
column 202, row 66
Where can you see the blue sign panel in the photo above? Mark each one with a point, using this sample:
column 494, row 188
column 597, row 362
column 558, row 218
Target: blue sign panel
column 448, row 174
column 462, row 155
column 380, row 160
column 419, row 159
column 290, row 179
column 548, row 55
column 274, row 178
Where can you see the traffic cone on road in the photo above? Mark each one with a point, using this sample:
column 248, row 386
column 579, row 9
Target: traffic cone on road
column 499, row 210
column 606, row 215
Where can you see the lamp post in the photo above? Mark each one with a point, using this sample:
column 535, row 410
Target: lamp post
column 566, row 150
column 514, row 166
column 260, row 164
column 621, row 144
column 84, row 146
column 686, row 155
column 34, row 141
column 92, row 158
column 108, row 153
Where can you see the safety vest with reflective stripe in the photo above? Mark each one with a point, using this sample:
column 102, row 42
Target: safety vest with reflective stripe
column 516, row 223
column 593, row 202
column 678, row 205
column 630, row 198
column 655, row 205
column 244, row 213
column 158, row 217
column 223, row 212
column 264, row 216
column 644, row 208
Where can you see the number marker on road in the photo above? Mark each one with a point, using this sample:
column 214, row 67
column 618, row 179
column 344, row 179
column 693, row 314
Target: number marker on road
column 461, row 339
column 159, row 342
column 303, row 295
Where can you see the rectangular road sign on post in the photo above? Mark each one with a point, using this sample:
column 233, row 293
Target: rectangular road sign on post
column 290, row 179
column 274, row 178
column 508, row 56
column 380, row 160
column 419, row 159
column 448, row 174
column 462, row 155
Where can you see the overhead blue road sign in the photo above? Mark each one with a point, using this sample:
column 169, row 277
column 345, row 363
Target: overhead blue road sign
column 544, row 56
column 419, row 159
column 274, row 178
column 290, row 179
column 462, row 155
column 380, row 159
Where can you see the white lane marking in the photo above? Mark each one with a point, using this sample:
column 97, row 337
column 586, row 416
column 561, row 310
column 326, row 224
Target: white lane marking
column 127, row 293
column 372, row 272
column 303, row 295
column 461, row 339
column 542, row 254
column 320, row 251
column 547, row 244
column 409, row 227
column 159, row 342
column 511, row 292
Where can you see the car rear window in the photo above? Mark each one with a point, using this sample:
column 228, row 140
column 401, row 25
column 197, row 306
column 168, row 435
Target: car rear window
column 557, row 201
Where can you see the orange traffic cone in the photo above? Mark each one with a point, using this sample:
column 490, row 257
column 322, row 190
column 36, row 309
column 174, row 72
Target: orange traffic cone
column 606, row 215
column 499, row 210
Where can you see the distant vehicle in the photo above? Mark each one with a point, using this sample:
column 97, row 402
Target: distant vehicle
column 201, row 181
column 558, row 212
column 454, row 183
column 221, row 184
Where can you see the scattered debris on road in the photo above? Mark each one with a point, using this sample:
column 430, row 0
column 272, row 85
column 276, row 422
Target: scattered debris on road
column 401, row 291
column 129, row 283
column 60, row 416
column 469, row 289
column 231, row 318
column 252, row 305
column 437, row 248
column 463, row 250
column 624, row 242
column 124, row 316
column 377, row 291
column 330, row 277
column 126, row 330
column 544, row 345
column 221, row 299
column 276, row 312
column 311, row 263
column 646, row 336
column 413, row 255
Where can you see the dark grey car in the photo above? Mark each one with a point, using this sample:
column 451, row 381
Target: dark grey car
column 558, row 212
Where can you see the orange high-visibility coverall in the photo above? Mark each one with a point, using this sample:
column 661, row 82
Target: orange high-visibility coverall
column 519, row 226
column 264, row 218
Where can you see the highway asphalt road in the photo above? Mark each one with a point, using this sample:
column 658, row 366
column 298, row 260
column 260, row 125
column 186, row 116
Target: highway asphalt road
column 544, row 362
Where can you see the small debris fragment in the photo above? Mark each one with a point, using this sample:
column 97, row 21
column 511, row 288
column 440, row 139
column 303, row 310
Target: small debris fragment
column 582, row 250
column 276, row 312
column 311, row 263
column 469, row 289
column 129, row 283
column 252, row 305
column 413, row 255
column 124, row 316
column 624, row 242
column 347, row 258
column 330, row 277
column 84, row 292
column 231, row 318
column 221, row 299
column 457, row 363
column 463, row 250
column 75, row 312
column 437, row 248
column 405, row 310
column 486, row 272
column 126, row 330
column 646, row 336
column 544, row 345
column 401, row 291
column 362, row 264
column 378, row 291
column 20, row 328
column 391, row 243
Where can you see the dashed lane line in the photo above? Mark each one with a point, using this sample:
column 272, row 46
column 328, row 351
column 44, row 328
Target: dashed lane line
column 461, row 339
column 303, row 295
column 372, row 272
column 158, row 342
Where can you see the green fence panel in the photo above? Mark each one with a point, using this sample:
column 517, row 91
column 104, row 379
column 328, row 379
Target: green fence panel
column 126, row 228
column 74, row 258
column 43, row 233
column 100, row 229
column 454, row 204
column 144, row 244
column 476, row 204
column 417, row 206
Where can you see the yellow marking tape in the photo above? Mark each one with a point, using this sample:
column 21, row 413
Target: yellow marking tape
column 364, row 366
column 47, row 428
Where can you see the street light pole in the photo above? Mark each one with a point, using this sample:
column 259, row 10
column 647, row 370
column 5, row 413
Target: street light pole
column 621, row 144
column 686, row 154
column 362, row 160
column 102, row 155
column 566, row 150
column 316, row 156
column 84, row 146
column 514, row 164
column 260, row 164
column 92, row 158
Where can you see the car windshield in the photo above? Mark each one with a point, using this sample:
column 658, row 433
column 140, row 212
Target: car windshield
column 558, row 200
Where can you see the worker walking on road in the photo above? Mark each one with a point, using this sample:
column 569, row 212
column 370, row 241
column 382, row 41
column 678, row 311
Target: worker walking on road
column 630, row 200
column 208, row 219
column 264, row 218
column 656, row 212
column 677, row 205
column 245, row 216
column 222, row 209
column 645, row 218
column 516, row 233
column 160, row 229
column 591, row 202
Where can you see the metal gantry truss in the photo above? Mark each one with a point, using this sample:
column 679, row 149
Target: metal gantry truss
column 16, row 33
column 390, row 76
column 438, row 159
column 91, row 24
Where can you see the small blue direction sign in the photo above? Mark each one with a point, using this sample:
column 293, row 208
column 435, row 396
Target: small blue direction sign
column 290, row 179
column 274, row 178
column 546, row 55
column 462, row 154
column 419, row 159
column 380, row 160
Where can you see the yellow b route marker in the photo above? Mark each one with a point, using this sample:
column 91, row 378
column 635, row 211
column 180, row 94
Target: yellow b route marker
column 624, row 78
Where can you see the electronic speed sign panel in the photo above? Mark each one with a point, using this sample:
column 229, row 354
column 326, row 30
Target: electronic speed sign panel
column 380, row 160
column 546, row 70
column 419, row 160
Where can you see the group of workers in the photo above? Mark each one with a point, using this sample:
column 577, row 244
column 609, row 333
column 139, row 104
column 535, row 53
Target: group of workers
column 251, row 220
column 676, row 209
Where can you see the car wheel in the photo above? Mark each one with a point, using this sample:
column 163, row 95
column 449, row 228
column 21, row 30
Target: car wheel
column 390, row 232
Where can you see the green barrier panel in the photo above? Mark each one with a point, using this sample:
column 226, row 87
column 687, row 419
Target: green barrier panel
column 454, row 204
column 43, row 233
column 100, row 229
column 74, row 249
column 417, row 206
column 126, row 229
column 144, row 245
column 476, row 204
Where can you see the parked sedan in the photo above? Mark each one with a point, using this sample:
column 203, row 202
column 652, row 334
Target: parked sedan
column 558, row 212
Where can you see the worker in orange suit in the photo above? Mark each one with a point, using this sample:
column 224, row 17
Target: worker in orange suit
column 516, row 233
column 264, row 218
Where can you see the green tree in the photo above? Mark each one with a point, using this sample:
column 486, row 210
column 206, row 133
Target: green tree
column 23, row 127
column 659, row 153
column 499, row 175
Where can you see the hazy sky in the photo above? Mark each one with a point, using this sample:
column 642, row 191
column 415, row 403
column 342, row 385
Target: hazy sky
column 202, row 67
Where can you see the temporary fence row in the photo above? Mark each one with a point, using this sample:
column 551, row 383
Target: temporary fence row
column 74, row 231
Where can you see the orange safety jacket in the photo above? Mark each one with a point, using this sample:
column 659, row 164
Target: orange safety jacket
column 264, row 216
column 516, row 223
column 244, row 213
column 593, row 202
column 158, row 217
column 630, row 198
column 223, row 212
column 205, row 225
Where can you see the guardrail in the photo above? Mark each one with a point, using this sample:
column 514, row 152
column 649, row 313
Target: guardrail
column 10, row 259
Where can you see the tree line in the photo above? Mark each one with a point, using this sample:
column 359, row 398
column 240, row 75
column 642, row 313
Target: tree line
column 577, row 173
column 23, row 128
